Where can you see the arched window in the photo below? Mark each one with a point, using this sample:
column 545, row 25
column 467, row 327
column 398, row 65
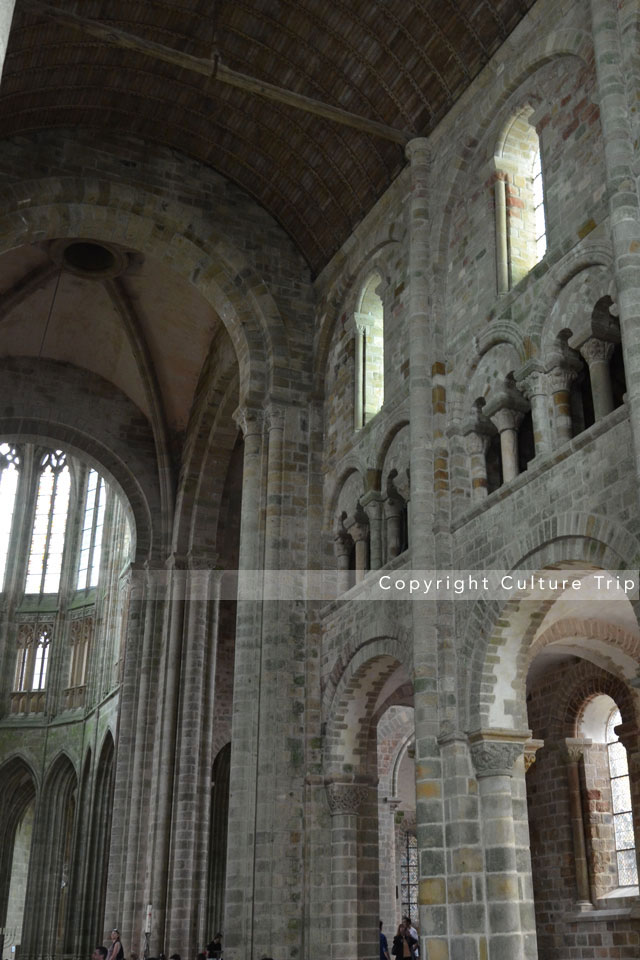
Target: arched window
column 49, row 526
column 521, row 231
column 32, row 662
column 369, row 353
column 621, row 805
column 9, row 464
column 91, row 544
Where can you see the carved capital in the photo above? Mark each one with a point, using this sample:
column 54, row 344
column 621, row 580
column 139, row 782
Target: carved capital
column 275, row 417
column 250, row 420
column 574, row 748
column 506, row 407
column 560, row 378
column 531, row 748
column 495, row 758
column 595, row 350
column 532, row 380
column 359, row 531
column 345, row 798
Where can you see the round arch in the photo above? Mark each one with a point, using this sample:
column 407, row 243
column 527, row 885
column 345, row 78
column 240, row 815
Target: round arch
column 106, row 211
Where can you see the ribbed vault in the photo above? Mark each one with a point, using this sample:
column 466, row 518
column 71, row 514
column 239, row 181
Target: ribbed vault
column 400, row 62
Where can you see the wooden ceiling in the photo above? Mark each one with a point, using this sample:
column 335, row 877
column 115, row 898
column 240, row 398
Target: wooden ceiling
column 401, row 62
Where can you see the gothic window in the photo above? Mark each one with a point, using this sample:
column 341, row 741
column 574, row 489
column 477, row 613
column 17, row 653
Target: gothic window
column 369, row 354
column 409, row 876
column 621, row 805
column 9, row 466
column 521, row 231
column 32, row 659
column 47, row 539
column 91, row 543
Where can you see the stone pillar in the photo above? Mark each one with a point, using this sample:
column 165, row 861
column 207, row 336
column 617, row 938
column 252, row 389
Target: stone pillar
column 343, row 545
column 432, row 892
column 358, row 528
column 344, row 800
column 620, row 162
column 560, row 380
column 393, row 509
column 532, row 381
column 6, row 15
column 477, row 435
column 494, row 760
column 372, row 504
column 360, row 325
column 502, row 248
column 506, row 411
column 598, row 353
column 240, row 879
column 165, row 754
column 192, row 793
column 574, row 752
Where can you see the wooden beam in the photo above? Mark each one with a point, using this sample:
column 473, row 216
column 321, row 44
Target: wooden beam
column 216, row 70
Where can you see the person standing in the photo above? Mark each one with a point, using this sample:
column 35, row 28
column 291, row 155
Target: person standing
column 115, row 951
column 384, row 946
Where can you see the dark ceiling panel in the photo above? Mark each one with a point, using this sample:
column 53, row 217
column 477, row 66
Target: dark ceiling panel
column 400, row 62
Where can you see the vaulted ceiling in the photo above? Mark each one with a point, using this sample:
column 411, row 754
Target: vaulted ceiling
column 400, row 62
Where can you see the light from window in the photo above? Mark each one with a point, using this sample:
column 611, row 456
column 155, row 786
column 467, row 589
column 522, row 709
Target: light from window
column 91, row 544
column 621, row 805
column 47, row 541
column 41, row 661
column 538, row 207
column 9, row 463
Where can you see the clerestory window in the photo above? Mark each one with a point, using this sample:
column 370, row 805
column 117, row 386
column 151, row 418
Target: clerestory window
column 521, row 224
column 93, row 523
column 369, row 353
column 49, row 525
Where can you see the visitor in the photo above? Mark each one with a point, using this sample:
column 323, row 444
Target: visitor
column 99, row 953
column 414, row 933
column 214, row 949
column 115, row 951
column 384, row 946
column 403, row 944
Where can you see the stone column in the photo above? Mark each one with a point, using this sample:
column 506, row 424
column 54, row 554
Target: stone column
column 343, row 545
column 192, row 793
column 361, row 326
column 372, row 504
column 620, row 161
column 240, row 879
column 393, row 508
column 506, row 411
column 574, row 752
column 477, row 435
column 532, row 381
column 502, row 249
column 165, row 754
column 359, row 531
column 432, row 894
column 6, row 15
column 598, row 353
column 344, row 801
column 494, row 764
column 560, row 379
